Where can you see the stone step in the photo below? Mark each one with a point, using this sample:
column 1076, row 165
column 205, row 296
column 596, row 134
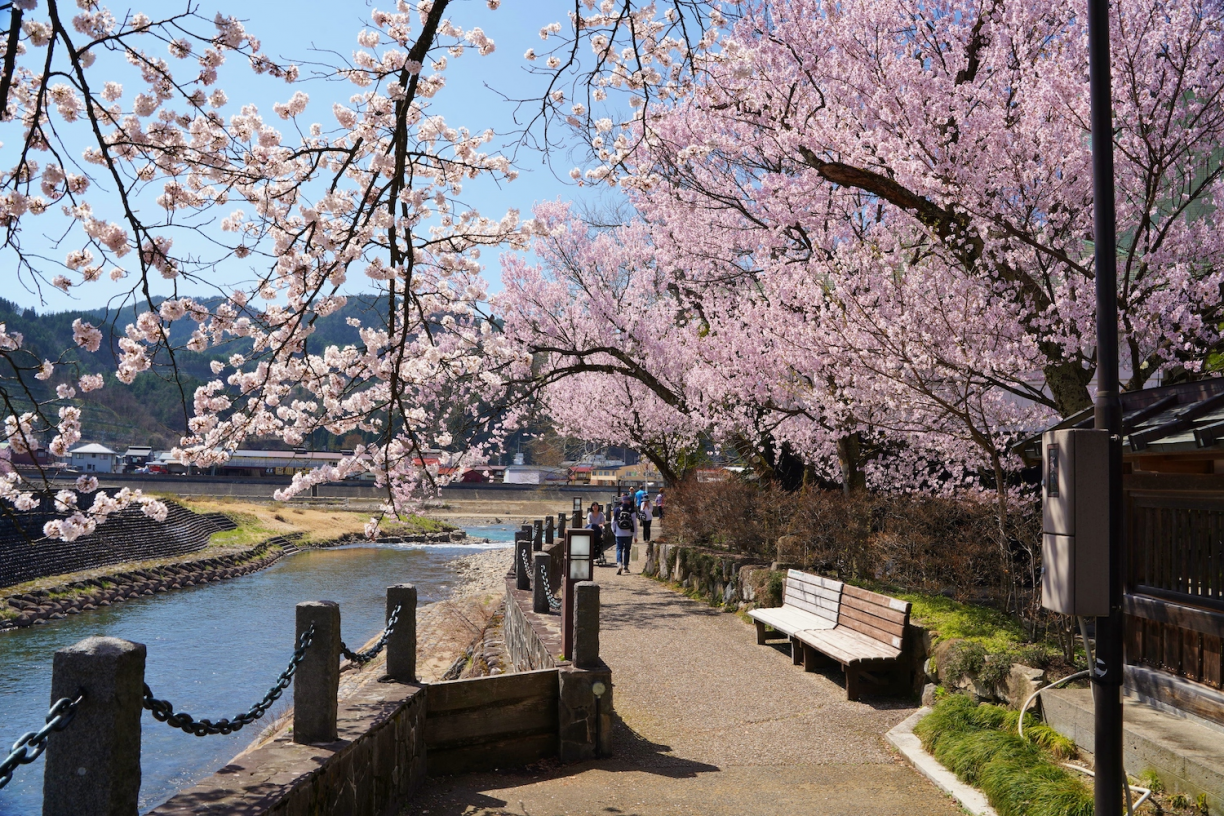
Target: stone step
column 1188, row 756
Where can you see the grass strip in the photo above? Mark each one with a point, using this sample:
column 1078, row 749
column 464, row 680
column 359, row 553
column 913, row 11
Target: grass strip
column 1019, row 775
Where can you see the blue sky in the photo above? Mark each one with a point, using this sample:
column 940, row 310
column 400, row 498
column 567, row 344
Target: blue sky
column 299, row 31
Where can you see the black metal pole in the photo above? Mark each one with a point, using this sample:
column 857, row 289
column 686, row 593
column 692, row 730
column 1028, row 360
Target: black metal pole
column 1107, row 672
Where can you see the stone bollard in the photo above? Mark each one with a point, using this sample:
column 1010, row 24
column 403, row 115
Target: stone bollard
column 540, row 582
column 93, row 765
column 576, row 521
column 586, row 624
column 402, row 642
column 537, row 535
column 317, row 681
column 548, row 531
column 522, row 560
column 561, row 519
column 585, row 713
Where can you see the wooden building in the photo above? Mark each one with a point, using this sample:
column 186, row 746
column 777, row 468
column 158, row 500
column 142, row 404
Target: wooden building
column 1173, row 483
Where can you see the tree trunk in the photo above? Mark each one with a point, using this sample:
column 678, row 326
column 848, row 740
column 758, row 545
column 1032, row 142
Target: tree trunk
column 849, row 455
column 1068, row 384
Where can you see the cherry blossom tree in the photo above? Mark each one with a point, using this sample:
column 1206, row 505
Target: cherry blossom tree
column 121, row 173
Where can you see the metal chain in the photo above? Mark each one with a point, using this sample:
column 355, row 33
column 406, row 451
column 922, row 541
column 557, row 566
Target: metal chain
column 30, row 745
column 163, row 711
column 554, row 603
column 372, row 652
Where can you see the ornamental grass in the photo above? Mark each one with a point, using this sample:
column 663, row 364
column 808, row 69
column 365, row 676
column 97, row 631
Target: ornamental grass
column 1019, row 775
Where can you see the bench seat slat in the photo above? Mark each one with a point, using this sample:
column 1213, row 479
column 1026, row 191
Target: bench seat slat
column 847, row 646
column 790, row 620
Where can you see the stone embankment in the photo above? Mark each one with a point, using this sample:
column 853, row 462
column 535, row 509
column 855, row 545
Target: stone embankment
column 52, row 603
column 41, row 605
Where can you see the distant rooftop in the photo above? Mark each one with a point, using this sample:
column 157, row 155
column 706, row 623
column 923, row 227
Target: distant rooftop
column 93, row 447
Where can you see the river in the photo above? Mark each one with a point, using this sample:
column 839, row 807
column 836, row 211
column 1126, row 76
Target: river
column 213, row 650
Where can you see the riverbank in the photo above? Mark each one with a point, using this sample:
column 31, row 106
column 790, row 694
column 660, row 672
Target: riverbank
column 248, row 537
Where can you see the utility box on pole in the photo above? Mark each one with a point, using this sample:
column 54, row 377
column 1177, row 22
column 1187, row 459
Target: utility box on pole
column 1075, row 522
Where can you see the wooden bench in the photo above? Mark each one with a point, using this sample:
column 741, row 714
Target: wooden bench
column 809, row 603
column 870, row 634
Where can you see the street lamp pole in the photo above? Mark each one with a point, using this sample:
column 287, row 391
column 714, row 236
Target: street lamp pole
column 1107, row 671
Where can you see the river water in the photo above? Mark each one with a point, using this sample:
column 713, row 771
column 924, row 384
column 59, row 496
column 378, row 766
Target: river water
column 214, row 650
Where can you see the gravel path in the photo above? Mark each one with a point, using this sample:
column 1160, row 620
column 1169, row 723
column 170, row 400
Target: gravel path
column 712, row 724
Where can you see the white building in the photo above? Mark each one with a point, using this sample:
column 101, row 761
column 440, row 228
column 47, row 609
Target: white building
column 95, row 458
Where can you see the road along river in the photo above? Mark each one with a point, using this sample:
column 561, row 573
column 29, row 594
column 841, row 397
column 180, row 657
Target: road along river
column 214, row 650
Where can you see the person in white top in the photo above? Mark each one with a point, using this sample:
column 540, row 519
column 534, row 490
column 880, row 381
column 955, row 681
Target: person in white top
column 645, row 516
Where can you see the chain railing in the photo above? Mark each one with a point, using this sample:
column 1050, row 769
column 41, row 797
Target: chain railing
column 554, row 602
column 372, row 652
column 30, row 745
column 163, row 711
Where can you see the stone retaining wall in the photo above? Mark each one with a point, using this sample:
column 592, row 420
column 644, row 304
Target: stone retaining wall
column 128, row 536
column 532, row 640
column 717, row 577
column 371, row 770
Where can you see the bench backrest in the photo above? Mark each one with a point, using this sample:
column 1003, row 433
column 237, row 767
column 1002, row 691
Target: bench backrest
column 878, row 616
column 812, row 593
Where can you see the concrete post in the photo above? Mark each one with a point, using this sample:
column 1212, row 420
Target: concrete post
column 522, row 560
column 402, row 643
column 561, row 519
column 317, row 681
column 537, row 535
column 586, row 624
column 93, row 766
column 540, row 583
column 576, row 521
column 548, row 530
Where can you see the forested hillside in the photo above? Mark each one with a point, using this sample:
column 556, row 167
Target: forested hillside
column 150, row 410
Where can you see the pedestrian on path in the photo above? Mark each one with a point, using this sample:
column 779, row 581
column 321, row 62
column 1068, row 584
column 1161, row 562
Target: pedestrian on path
column 624, row 527
column 595, row 522
column 646, row 510
column 659, row 505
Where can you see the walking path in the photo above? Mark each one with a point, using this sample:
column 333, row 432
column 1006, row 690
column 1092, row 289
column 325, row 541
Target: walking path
column 710, row 724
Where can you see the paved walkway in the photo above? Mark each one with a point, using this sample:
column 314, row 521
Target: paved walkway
column 710, row 724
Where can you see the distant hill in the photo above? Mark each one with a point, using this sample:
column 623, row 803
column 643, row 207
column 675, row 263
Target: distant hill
column 150, row 410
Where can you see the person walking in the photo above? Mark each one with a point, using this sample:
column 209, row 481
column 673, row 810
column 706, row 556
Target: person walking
column 595, row 523
column 659, row 505
column 645, row 516
column 639, row 495
column 624, row 527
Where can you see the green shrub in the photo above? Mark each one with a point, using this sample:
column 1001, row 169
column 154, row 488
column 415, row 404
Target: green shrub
column 964, row 659
column 980, row 745
column 995, row 669
column 773, row 591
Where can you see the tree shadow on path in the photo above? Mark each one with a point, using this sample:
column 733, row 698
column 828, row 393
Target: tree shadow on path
column 469, row 793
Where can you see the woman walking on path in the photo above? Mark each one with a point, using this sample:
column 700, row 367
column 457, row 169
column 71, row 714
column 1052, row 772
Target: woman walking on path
column 624, row 527
column 595, row 522
column 659, row 504
column 645, row 516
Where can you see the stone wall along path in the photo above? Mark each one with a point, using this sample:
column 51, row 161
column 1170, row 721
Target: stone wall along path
column 709, row 723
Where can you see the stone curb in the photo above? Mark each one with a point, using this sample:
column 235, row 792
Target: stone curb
column 903, row 739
